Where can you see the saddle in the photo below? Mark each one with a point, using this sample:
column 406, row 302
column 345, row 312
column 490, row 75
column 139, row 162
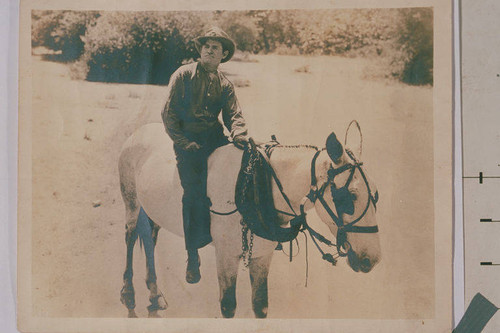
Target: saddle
column 254, row 198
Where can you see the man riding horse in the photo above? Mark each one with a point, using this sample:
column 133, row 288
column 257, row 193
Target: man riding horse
column 197, row 94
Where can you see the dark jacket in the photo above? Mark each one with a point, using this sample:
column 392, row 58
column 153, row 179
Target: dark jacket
column 195, row 100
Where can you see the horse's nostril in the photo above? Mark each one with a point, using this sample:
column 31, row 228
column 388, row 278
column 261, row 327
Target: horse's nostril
column 365, row 263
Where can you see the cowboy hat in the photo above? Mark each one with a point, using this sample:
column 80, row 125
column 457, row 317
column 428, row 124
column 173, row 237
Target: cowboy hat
column 219, row 35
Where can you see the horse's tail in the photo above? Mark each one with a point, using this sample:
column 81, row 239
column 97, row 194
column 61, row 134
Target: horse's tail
column 126, row 170
column 132, row 155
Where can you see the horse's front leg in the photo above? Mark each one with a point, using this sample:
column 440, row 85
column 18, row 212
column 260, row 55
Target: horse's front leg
column 227, row 272
column 259, row 270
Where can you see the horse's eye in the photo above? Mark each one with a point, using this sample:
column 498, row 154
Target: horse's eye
column 354, row 196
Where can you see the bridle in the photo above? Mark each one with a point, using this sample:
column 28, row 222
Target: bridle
column 343, row 201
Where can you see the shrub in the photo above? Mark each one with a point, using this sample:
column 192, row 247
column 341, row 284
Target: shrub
column 329, row 32
column 42, row 25
column 61, row 31
column 141, row 47
column 400, row 38
column 240, row 26
column 242, row 35
column 416, row 43
column 147, row 47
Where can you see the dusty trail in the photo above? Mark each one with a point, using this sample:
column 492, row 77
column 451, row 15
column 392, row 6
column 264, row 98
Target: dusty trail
column 79, row 249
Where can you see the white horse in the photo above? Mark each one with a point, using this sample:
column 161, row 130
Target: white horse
column 151, row 191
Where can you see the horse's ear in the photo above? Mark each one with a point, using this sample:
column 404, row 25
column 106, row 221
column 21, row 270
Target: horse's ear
column 334, row 148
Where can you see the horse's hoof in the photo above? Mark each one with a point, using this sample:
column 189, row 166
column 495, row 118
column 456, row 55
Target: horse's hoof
column 132, row 314
column 260, row 314
column 153, row 314
column 228, row 303
column 158, row 302
column 127, row 297
column 162, row 303
column 227, row 313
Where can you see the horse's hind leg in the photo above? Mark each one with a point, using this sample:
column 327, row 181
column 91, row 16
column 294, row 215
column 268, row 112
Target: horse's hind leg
column 127, row 294
column 259, row 270
column 129, row 195
column 227, row 272
column 148, row 231
column 156, row 298
column 155, row 230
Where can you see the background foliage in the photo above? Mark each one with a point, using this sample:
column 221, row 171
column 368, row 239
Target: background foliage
column 61, row 31
column 143, row 47
column 415, row 39
column 146, row 47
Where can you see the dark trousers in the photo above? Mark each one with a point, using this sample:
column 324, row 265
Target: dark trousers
column 192, row 167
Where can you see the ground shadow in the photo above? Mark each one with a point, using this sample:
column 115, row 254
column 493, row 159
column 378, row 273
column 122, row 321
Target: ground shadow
column 58, row 57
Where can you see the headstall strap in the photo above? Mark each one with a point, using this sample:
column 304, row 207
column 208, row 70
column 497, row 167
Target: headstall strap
column 316, row 193
column 313, row 192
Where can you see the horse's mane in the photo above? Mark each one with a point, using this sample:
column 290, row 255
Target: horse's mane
column 300, row 146
column 296, row 147
column 301, row 152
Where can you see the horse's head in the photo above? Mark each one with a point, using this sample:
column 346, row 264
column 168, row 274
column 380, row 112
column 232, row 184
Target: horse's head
column 346, row 202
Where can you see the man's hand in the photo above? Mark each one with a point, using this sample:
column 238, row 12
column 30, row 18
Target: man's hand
column 240, row 141
column 259, row 143
column 192, row 146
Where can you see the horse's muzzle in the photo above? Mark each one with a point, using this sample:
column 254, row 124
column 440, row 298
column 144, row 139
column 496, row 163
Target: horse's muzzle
column 360, row 262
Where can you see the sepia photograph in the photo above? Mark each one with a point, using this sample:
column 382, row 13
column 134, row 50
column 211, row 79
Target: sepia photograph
column 202, row 164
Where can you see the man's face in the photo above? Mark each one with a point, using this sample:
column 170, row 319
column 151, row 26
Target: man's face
column 212, row 53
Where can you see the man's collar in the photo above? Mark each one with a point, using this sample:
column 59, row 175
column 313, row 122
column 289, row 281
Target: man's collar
column 197, row 65
column 195, row 68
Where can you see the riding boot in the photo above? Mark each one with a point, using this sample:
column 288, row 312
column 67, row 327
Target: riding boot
column 193, row 274
column 192, row 240
column 202, row 218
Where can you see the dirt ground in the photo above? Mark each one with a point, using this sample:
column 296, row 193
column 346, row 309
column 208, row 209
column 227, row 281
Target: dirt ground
column 78, row 215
